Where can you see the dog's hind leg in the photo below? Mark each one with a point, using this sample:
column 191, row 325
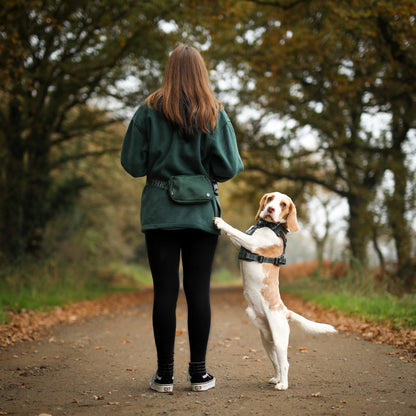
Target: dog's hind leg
column 267, row 341
column 283, row 384
column 268, row 344
column 280, row 333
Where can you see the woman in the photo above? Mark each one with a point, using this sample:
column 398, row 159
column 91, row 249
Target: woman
column 181, row 129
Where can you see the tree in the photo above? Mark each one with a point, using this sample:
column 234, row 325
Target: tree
column 320, row 227
column 326, row 68
column 397, row 35
column 58, row 60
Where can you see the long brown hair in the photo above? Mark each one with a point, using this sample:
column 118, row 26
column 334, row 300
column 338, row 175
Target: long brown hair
column 185, row 97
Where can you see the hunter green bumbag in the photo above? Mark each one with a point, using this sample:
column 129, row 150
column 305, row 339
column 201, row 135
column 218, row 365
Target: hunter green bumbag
column 190, row 189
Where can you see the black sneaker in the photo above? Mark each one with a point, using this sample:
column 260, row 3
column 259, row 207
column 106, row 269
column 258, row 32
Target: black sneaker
column 162, row 384
column 201, row 382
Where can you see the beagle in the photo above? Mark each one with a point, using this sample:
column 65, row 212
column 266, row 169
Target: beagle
column 266, row 243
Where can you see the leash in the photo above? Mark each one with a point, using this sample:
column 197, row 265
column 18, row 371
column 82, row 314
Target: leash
column 279, row 230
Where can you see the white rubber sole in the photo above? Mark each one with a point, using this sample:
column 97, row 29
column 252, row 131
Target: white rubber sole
column 203, row 386
column 162, row 388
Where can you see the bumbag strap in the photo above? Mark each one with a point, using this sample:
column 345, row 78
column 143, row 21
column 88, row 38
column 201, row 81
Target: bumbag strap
column 158, row 183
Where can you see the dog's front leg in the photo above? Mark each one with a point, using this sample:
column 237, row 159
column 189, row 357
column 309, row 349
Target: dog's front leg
column 238, row 238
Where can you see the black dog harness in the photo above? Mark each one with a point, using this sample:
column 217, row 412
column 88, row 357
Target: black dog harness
column 279, row 230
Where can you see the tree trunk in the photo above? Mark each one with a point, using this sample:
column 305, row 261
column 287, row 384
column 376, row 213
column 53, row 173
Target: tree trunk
column 12, row 185
column 25, row 185
column 396, row 202
column 359, row 231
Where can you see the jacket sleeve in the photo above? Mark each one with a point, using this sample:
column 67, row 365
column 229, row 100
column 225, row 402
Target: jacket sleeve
column 225, row 160
column 135, row 147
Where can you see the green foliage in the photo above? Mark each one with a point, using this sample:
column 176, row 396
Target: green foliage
column 59, row 61
column 322, row 69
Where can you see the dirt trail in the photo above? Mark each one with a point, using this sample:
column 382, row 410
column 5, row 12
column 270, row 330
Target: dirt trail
column 102, row 366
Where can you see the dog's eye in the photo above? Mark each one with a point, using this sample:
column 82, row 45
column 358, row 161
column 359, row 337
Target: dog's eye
column 283, row 204
column 269, row 199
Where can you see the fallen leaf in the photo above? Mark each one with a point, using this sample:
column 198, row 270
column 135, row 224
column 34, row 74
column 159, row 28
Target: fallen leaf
column 317, row 394
column 303, row 349
column 98, row 397
column 99, row 348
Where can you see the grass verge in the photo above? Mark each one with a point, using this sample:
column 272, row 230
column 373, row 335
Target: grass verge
column 225, row 277
column 41, row 285
column 375, row 305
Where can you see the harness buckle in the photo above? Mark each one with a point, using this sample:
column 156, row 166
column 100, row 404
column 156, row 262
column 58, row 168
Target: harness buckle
column 260, row 259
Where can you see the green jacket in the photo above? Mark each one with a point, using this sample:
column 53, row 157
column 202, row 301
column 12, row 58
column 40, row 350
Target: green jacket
column 153, row 148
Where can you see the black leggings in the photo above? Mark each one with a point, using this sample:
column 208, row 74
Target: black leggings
column 164, row 248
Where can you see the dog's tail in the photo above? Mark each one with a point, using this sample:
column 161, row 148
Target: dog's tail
column 310, row 326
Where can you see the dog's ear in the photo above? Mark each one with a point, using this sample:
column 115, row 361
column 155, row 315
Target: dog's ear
column 292, row 220
column 262, row 205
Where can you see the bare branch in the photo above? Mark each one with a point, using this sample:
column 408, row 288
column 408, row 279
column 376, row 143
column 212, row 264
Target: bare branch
column 279, row 3
column 79, row 156
column 298, row 177
column 66, row 136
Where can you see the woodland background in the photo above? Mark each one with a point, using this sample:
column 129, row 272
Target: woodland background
column 322, row 95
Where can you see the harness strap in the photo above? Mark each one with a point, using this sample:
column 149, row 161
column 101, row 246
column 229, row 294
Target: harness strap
column 278, row 229
column 249, row 256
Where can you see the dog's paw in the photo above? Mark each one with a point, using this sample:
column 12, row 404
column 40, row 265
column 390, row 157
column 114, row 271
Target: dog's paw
column 219, row 223
column 281, row 386
column 274, row 380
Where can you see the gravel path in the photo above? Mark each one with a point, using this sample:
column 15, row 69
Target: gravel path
column 102, row 365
